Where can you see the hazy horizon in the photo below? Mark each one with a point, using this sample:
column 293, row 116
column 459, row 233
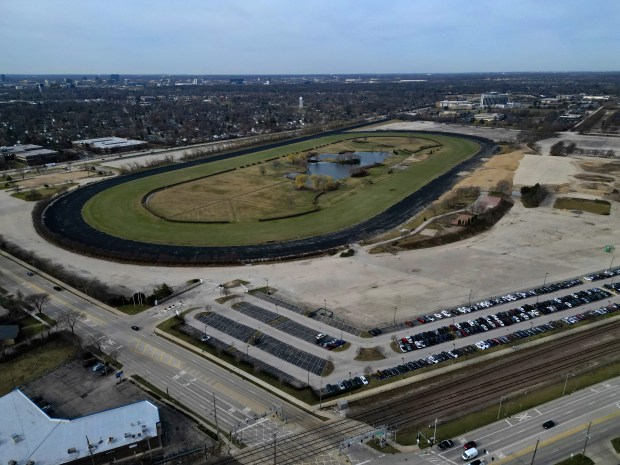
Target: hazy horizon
column 278, row 37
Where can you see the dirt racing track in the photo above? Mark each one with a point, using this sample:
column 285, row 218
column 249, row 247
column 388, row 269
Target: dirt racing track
column 61, row 222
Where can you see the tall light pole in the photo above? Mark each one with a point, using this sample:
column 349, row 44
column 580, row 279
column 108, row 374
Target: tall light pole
column 402, row 376
column 325, row 305
column 566, row 382
column 499, row 411
column 469, row 301
column 544, row 284
column 612, row 262
column 435, row 432
column 395, row 308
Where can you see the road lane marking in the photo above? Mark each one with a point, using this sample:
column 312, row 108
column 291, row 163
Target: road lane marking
column 553, row 439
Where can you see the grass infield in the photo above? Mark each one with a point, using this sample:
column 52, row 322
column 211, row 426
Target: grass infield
column 118, row 211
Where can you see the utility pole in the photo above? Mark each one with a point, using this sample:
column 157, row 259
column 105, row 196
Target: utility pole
column 395, row 308
column 435, row 431
column 275, row 436
column 535, row 449
column 587, row 437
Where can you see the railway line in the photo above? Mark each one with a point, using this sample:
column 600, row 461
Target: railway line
column 512, row 374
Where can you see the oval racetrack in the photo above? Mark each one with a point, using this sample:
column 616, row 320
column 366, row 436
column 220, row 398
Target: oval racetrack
column 62, row 222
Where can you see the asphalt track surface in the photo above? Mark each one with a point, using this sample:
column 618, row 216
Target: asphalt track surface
column 64, row 225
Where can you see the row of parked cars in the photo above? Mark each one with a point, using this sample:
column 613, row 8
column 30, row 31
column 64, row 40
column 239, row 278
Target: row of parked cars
column 485, row 344
column 552, row 287
column 501, row 319
column 329, row 343
column 346, row 385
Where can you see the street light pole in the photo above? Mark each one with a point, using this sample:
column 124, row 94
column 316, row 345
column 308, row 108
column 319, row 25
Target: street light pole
column 402, row 376
column 395, row 308
column 435, row 432
column 469, row 301
column 544, row 284
column 535, row 449
column 499, row 411
column 566, row 382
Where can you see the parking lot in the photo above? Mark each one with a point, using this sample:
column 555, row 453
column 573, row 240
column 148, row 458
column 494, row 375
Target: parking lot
column 282, row 323
column 269, row 344
column 317, row 314
column 74, row 391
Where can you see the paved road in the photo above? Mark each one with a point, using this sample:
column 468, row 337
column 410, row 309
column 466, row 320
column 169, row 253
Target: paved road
column 187, row 376
column 512, row 440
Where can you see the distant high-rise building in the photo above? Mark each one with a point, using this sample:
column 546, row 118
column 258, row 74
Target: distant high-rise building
column 493, row 98
column 301, row 102
column 115, row 78
column 2, row 77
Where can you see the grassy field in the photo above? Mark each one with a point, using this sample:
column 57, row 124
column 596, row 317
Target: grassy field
column 578, row 459
column 118, row 211
column 34, row 364
column 33, row 195
column 598, row 207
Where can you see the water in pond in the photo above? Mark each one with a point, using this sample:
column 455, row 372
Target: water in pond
column 341, row 171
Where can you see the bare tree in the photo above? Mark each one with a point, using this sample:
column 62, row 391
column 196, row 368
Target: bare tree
column 69, row 318
column 38, row 300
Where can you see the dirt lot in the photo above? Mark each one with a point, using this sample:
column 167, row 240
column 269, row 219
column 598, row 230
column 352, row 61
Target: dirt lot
column 53, row 179
column 75, row 391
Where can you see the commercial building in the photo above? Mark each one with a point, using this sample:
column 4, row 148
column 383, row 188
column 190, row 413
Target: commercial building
column 109, row 144
column 29, row 154
column 492, row 99
column 455, row 104
column 30, row 436
column 487, row 117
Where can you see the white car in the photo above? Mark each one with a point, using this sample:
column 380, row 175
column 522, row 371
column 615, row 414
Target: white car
column 363, row 380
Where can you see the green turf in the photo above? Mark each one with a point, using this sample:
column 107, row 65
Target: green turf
column 118, row 211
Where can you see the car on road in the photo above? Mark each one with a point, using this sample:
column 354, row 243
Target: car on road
column 135, row 328
column 470, row 453
column 469, row 445
column 446, row 444
column 548, row 424
column 30, row 273
column 57, row 288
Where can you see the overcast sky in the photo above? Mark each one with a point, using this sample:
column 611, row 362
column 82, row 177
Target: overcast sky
column 307, row 36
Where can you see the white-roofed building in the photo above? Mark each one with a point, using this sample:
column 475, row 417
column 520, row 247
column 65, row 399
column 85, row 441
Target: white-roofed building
column 110, row 144
column 29, row 436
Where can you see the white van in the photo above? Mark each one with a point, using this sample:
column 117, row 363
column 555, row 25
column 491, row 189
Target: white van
column 470, row 454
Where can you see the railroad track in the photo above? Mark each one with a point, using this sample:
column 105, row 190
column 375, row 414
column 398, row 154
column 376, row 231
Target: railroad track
column 546, row 361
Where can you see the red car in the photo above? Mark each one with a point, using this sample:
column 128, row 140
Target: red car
column 469, row 445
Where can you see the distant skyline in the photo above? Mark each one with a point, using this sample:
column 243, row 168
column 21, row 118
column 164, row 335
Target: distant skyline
column 213, row 37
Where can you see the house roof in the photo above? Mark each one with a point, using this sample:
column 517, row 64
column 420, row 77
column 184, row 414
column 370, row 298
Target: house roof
column 9, row 332
column 29, row 434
